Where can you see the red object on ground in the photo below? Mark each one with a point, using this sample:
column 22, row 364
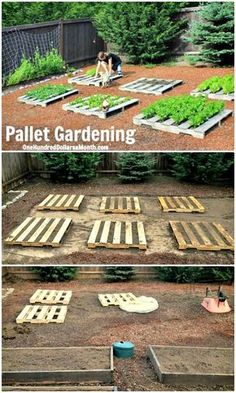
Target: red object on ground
column 214, row 305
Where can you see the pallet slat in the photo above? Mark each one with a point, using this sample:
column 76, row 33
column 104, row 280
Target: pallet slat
column 201, row 236
column 61, row 202
column 42, row 314
column 181, row 204
column 47, row 296
column 115, row 299
column 120, row 205
column 150, row 85
column 110, row 234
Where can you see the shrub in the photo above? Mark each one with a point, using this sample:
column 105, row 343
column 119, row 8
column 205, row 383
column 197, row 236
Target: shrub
column 116, row 274
column 200, row 167
column 214, row 32
column 52, row 274
column 135, row 167
column 70, row 167
column 145, row 32
column 194, row 274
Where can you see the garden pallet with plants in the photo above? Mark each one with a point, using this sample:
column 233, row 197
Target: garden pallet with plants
column 61, row 202
column 48, row 296
column 90, row 80
column 115, row 299
column 201, row 236
column 218, row 88
column 183, row 114
column 120, row 205
column 47, row 94
column 39, row 232
column 93, row 105
column 117, row 234
column 42, row 314
column 151, row 85
column 181, row 204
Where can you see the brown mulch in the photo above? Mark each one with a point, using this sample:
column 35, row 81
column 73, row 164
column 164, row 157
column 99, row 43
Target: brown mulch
column 180, row 320
column 20, row 115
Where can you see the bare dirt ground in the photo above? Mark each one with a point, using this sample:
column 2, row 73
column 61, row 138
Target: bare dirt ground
column 179, row 320
column 162, row 246
column 19, row 115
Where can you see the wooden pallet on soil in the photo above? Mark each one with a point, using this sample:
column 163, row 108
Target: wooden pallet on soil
column 42, row 314
column 91, row 80
column 181, row 204
column 48, row 296
column 44, row 103
column 39, row 232
column 118, row 234
column 120, row 205
column 220, row 95
column 201, row 236
column 61, row 202
column 151, row 85
column 183, row 128
column 84, row 109
column 115, row 299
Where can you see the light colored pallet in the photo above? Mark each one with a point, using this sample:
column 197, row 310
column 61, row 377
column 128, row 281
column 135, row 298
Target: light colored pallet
column 183, row 128
column 90, row 80
column 151, row 85
column 84, row 110
column 39, row 232
column 120, row 205
column 6, row 292
column 115, row 299
column 220, row 95
column 48, row 296
column 202, row 236
column 42, row 314
column 44, row 103
column 109, row 234
column 61, row 202
column 181, row 204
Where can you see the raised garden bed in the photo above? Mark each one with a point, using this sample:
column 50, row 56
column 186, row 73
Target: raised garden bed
column 192, row 365
column 57, row 365
column 93, row 105
column 218, row 88
column 183, row 114
column 90, row 80
column 47, row 94
column 151, row 85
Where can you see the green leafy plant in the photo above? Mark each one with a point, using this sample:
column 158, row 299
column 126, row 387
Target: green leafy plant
column 96, row 101
column 135, row 167
column 91, row 72
column 217, row 83
column 48, row 91
column 182, row 108
column 117, row 274
column 191, row 274
column 55, row 273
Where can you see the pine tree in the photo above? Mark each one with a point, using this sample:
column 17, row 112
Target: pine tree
column 116, row 273
column 135, row 167
column 214, row 32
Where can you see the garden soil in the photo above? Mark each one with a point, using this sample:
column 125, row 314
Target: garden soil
column 221, row 138
column 179, row 320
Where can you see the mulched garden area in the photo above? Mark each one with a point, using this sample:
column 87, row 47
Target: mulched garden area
column 222, row 138
column 218, row 200
column 180, row 320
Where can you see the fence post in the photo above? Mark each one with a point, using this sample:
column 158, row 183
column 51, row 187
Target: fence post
column 61, row 23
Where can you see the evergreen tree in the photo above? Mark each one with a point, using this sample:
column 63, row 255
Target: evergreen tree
column 116, row 273
column 214, row 32
column 135, row 167
column 191, row 274
column 55, row 273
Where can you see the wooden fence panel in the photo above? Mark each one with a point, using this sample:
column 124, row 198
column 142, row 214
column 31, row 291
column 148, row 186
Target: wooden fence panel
column 14, row 165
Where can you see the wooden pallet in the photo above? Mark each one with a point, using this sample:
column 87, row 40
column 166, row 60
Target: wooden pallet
column 91, row 80
column 84, row 110
column 120, row 205
column 151, row 85
column 117, row 234
column 181, row 204
column 220, row 95
column 183, row 128
column 202, row 236
column 61, row 202
column 115, row 299
column 48, row 296
column 39, row 232
column 42, row 314
column 44, row 103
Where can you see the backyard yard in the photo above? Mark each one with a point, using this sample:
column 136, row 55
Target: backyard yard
column 161, row 244
column 20, row 115
column 179, row 321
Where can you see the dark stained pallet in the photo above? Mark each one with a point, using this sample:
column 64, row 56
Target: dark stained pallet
column 91, row 80
column 151, row 85
column 39, row 232
column 120, row 205
column 201, row 236
column 183, row 128
column 44, row 103
column 61, row 202
column 181, row 204
column 220, row 95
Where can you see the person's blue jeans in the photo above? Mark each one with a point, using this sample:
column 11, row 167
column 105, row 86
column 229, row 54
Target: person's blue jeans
column 117, row 67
